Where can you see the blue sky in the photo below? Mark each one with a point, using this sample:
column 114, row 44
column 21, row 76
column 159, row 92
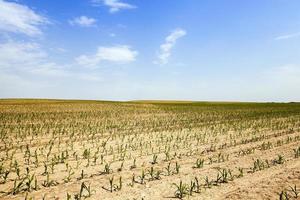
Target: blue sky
column 220, row 50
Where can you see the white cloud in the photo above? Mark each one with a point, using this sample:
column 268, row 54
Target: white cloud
column 15, row 54
column 83, row 21
column 50, row 69
column 54, row 70
column 288, row 36
column 117, row 54
column 26, row 57
column 18, row 18
column 114, row 5
column 29, row 58
column 170, row 41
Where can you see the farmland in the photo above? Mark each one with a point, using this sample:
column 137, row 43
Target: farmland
column 64, row 149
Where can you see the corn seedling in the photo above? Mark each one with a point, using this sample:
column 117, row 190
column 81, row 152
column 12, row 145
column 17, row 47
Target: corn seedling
column 154, row 159
column 297, row 152
column 241, row 172
column 134, row 164
column 283, row 195
column 177, row 167
column 279, row 160
column 48, row 182
column 107, row 169
column 85, row 191
column 199, row 163
column 142, row 177
column 294, row 191
column 168, row 169
column 208, row 183
column 181, row 190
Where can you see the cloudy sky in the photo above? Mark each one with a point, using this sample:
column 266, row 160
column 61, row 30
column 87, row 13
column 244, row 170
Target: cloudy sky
column 219, row 50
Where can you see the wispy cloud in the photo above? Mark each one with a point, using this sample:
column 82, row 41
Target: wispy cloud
column 167, row 46
column 20, row 54
column 116, row 54
column 288, row 36
column 30, row 58
column 114, row 5
column 83, row 21
column 18, row 18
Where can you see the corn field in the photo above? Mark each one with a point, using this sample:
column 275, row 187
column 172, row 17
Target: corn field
column 59, row 149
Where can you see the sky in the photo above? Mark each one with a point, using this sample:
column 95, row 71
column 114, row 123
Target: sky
column 208, row 50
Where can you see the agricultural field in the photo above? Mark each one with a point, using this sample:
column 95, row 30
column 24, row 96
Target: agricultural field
column 63, row 149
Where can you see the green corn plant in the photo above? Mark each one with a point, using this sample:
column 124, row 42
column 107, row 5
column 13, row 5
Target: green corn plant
column 279, row 160
column 36, row 162
column 199, row 163
column 157, row 175
column 86, row 154
column 134, row 164
column 81, row 175
column 85, row 191
column 192, row 187
column 154, row 159
column 114, row 187
column 142, row 177
column 69, row 197
column 154, row 175
column 297, row 152
column 168, row 169
column 224, row 176
column 17, row 186
column 52, row 166
column 177, row 167
column 18, row 172
column 267, row 164
column 258, row 165
column 241, row 172
column 197, row 185
column 283, row 195
column 48, row 182
column 29, row 182
column 107, row 169
column 69, row 176
column 132, row 181
column 119, row 187
column 45, row 169
column 151, row 172
column 102, row 158
column 181, row 190
column 295, row 191
column 207, row 182
column 220, row 158
column 36, row 187
column 111, row 184
column 218, row 179
column 5, row 175
column 167, row 156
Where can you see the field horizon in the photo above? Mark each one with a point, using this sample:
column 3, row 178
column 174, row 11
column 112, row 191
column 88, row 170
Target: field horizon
column 141, row 101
